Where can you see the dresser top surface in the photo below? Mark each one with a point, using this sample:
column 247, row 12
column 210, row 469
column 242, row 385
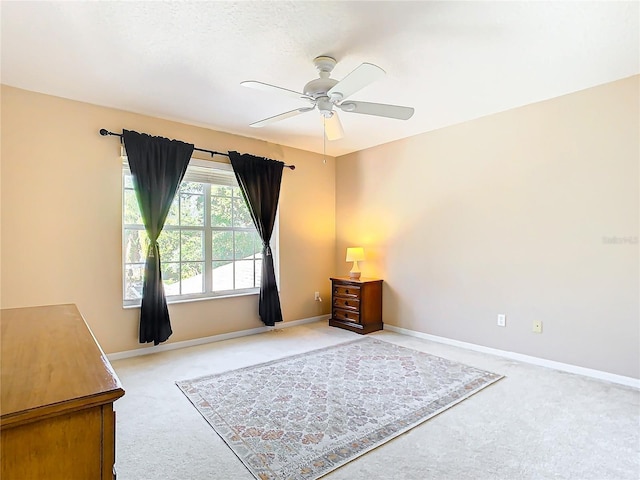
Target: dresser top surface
column 50, row 361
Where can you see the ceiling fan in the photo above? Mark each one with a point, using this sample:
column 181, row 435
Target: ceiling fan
column 325, row 93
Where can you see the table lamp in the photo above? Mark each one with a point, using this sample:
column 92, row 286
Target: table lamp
column 355, row 254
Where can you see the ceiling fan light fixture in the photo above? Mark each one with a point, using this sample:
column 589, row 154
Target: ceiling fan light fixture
column 324, row 105
column 333, row 127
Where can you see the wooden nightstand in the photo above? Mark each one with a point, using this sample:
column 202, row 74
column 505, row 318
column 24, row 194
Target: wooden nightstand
column 356, row 305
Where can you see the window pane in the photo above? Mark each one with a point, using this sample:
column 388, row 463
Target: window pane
column 220, row 211
column 191, row 209
column 258, row 267
column 245, row 246
column 171, row 278
column 192, row 246
column 172, row 217
column 245, row 274
column 222, row 276
column 128, row 181
column 222, row 245
column 257, row 242
column 131, row 210
column 221, row 190
column 192, row 278
column 241, row 216
column 135, row 246
column 191, row 187
column 169, row 244
column 133, row 276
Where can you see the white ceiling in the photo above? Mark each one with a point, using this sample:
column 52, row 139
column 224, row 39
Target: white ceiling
column 184, row 61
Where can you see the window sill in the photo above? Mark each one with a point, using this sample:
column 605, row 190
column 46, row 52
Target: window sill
column 200, row 299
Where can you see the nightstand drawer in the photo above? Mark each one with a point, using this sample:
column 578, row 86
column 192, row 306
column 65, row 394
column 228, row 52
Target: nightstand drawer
column 346, row 291
column 349, row 303
column 351, row 316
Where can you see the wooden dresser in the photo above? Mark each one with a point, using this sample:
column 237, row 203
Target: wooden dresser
column 57, row 392
column 356, row 305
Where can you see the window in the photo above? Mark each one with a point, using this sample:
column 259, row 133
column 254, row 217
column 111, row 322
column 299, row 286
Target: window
column 209, row 246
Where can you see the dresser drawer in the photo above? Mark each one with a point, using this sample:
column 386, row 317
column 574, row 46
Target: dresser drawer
column 348, row 291
column 352, row 303
column 349, row 315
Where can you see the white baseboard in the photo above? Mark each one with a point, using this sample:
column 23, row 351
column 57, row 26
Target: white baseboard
column 565, row 367
column 214, row 338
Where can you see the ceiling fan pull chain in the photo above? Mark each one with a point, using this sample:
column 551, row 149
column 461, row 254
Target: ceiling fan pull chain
column 324, row 139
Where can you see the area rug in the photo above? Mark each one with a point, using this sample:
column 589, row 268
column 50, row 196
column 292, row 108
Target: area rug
column 303, row 416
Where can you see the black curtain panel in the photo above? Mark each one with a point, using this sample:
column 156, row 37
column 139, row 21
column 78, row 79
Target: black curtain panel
column 259, row 180
column 157, row 165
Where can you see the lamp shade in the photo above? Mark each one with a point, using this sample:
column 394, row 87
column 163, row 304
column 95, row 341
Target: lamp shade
column 355, row 254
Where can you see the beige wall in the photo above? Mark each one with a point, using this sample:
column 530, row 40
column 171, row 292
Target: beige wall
column 507, row 214
column 61, row 219
column 504, row 214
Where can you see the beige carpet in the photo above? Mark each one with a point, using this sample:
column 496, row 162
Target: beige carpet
column 536, row 423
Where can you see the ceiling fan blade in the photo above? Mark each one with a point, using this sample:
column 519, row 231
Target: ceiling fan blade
column 361, row 77
column 282, row 116
column 333, row 127
column 378, row 109
column 272, row 88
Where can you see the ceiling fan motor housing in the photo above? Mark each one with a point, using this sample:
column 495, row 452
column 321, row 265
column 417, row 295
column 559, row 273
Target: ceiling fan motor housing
column 320, row 86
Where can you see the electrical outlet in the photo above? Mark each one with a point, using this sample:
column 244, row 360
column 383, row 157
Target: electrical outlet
column 502, row 320
column 537, row 326
column 316, row 297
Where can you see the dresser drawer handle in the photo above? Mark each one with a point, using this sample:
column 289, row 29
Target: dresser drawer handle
column 352, row 292
column 349, row 316
column 350, row 303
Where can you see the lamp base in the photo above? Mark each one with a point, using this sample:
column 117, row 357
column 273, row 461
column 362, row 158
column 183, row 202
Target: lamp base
column 354, row 273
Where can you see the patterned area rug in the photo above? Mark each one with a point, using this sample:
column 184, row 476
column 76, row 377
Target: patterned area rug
column 302, row 416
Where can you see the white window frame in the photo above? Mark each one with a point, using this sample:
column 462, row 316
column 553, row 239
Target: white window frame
column 213, row 173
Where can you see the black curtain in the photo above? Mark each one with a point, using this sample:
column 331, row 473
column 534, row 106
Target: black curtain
column 259, row 180
column 157, row 165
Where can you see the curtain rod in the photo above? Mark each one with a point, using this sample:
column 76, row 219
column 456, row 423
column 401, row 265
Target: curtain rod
column 105, row 132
